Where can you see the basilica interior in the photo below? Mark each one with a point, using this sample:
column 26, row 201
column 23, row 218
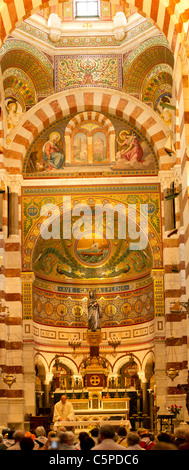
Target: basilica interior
column 94, row 151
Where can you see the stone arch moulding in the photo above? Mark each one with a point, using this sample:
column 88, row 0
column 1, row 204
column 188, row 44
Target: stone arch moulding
column 77, row 100
column 123, row 360
column 170, row 20
column 86, row 116
column 149, row 356
column 41, row 357
column 68, row 362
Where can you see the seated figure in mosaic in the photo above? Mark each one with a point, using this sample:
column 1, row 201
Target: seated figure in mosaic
column 52, row 153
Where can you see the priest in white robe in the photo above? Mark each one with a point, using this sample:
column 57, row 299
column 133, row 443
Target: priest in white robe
column 63, row 410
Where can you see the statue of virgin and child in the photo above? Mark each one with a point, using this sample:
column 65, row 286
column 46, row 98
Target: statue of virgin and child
column 94, row 312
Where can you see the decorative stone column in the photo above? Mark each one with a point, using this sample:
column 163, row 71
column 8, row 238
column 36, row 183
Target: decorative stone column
column 159, row 338
column 11, row 324
column 144, row 384
column 158, row 284
column 28, row 342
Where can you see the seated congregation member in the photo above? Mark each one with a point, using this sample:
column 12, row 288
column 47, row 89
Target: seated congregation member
column 66, row 440
column 81, row 436
column 4, row 433
column 41, row 438
column 63, row 410
column 122, row 435
column 165, row 437
column 185, row 444
column 146, row 440
column 179, row 436
column 33, row 437
column 94, row 433
column 87, row 443
column 18, row 436
column 9, row 440
column 106, row 437
column 133, row 441
column 27, row 444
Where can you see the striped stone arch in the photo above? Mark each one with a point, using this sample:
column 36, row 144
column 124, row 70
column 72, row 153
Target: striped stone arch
column 94, row 117
column 76, row 101
column 89, row 116
column 171, row 19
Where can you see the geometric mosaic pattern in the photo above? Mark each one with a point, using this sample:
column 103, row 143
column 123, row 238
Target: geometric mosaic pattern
column 82, row 70
column 15, row 54
column 134, row 71
column 62, row 310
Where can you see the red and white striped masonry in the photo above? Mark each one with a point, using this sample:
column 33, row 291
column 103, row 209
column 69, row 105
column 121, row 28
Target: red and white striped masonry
column 79, row 100
column 89, row 115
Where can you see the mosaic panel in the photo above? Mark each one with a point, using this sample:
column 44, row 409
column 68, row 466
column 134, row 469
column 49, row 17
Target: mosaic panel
column 16, row 81
column 130, row 152
column 155, row 85
column 83, row 41
column 94, row 70
column 67, row 11
column 34, row 63
column 140, row 62
column 69, row 311
column 105, row 10
column 83, row 259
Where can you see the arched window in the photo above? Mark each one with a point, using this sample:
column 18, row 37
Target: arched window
column 90, row 140
column 90, row 144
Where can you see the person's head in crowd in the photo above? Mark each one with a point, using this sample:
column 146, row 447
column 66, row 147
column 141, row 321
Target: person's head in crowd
column 87, row 443
column 107, row 432
column 164, row 437
column 133, row 439
column 94, row 432
column 122, row 431
column 82, row 434
column 66, row 438
column 26, row 444
column 179, row 436
column 41, row 438
column 18, row 435
column 40, row 431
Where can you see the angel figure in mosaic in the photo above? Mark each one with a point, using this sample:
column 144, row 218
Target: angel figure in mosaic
column 130, row 147
column 52, row 152
column 14, row 113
